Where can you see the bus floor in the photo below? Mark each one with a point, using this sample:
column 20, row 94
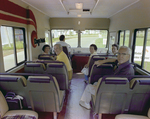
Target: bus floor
column 71, row 108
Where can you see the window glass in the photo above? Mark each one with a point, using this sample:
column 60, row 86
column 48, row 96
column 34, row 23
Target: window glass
column 139, row 46
column 147, row 53
column 46, row 38
column 121, row 38
column 127, row 36
column 97, row 37
column 71, row 37
column 19, row 42
column 12, row 46
column 8, row 47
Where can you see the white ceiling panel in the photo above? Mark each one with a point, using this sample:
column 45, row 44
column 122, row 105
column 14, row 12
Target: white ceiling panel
column 103, row 9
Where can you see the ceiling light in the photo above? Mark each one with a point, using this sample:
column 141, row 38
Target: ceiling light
column 79, row 15
column 79, row 5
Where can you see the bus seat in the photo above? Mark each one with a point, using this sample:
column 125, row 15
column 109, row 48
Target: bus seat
column 14, row 83
column 97, row 72
column 111, row 95
column 131, row 116
column 65, row 50
column 44, row 93
column 14, row 113
column 58, row 70
column 140, row 95
column 93, row 59
column 45, row 57
column 34, row 67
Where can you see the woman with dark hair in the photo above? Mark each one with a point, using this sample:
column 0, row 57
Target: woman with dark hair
column 46, row 49
column 114, row 48
column 93, row 51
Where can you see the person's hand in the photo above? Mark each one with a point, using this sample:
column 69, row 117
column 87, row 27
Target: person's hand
column 86, row 66
column 98, row 63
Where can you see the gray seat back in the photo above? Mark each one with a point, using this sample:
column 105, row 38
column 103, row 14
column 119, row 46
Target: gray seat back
column 98, row 72
column 44, row 94
column 34, row 67
column 14, row 83
column 111, row 96
column 140, row 99
column 58, row 70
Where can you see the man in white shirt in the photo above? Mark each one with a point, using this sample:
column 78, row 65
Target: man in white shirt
column 63, row 43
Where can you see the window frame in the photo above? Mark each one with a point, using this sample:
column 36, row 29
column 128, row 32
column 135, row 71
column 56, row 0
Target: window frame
column 15, row 50
column 79, row 39
column 124, row 35
column 144, row 47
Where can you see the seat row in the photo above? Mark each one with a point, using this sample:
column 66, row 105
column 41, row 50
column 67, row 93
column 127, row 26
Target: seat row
column 115, row 95
column 98, row 57
column 40, row 92
column 54, row 68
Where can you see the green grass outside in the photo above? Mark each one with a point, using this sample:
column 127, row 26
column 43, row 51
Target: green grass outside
column 146, row 65
column 19, row 45
column 99, row 43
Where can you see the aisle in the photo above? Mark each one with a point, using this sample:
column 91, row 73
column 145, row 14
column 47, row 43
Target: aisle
column 73, row 109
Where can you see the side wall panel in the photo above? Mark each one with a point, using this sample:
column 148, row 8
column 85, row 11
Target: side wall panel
column 18, row 14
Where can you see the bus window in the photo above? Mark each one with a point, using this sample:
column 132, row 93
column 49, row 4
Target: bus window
column 121, row 38
column 13, row 40
column 147, row 53
column 71, row 37
column 47, row 38
column 139, row 42
column 124, row 38
column 97, row 37
column 127, row 37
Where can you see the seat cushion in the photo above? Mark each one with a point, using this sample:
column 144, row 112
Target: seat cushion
column 23, row 113
column 129, row 116
column 19, row 117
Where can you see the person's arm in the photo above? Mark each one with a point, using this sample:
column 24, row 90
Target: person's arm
column 87, row 65
column 100, row 62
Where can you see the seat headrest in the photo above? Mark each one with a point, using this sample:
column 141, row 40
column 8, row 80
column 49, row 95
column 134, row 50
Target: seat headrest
column 13, row 78
column 56, row 65
column 142, row 81
column 39, row 79
column 116, row 80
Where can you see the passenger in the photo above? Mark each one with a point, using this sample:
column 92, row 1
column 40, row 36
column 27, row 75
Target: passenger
column 63, row 43
column 61, row 56
column 46, row 50
column 114, row 48
column 93, row 51
column 124, row 68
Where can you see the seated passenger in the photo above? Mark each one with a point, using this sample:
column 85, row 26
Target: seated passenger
column 61, row 56
column 63, row 43
column 93, row 49
column 114, row 48
column 46, row 50
column 124, row 68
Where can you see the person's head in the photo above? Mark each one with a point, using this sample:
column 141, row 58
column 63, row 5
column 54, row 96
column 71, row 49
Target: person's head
column 114, row 48
column 93, row 48
column 57, row 48
column 62, row 38
column 46, row 49
column 124, row 54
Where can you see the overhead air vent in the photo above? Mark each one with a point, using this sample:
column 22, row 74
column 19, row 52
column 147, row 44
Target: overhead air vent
column 86, row 10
